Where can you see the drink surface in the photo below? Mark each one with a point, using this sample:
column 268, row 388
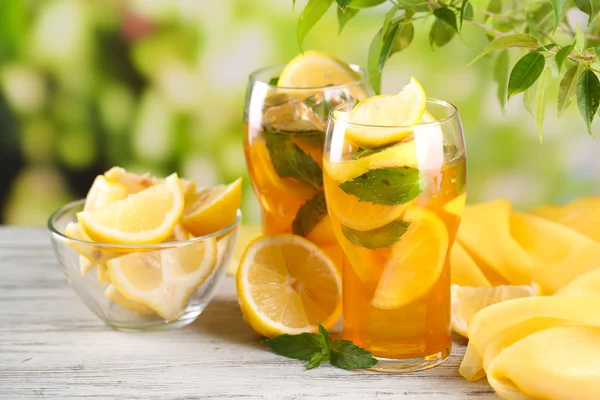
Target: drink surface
column 395, row 212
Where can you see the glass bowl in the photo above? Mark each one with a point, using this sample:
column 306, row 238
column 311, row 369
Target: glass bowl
column 181, row 277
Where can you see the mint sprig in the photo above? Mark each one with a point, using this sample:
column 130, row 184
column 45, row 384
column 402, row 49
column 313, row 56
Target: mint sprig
column 317, row 348
column 309, row 214
column 377, row 238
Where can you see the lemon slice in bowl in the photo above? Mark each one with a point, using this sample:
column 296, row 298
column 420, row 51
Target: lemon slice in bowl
column 102, row 193
column 90, row 255
column 164, row 279
column 145, row 217
column 402, row 110
column 134, row 183
column 114, row 295
column 211, row 210
column 316, row 69
column 416, row 263
column 286, row 284
column 467, row 301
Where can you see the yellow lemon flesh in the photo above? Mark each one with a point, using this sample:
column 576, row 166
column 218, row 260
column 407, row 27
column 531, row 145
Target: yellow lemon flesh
column 134, row 183
column 164, row 279
column 145, row 217
column 416, row 263
column 316, row 69
column 211, row 210
column 398, row 112
column 467, row 301
column 286, row 285
column 102, row 193
column 113, row 294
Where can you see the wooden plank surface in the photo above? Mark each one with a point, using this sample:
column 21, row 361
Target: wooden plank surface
column 52, row 347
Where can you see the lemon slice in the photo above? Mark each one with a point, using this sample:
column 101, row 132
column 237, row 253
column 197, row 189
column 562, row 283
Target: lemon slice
column 146, row 217
column 113, row 294
column 90, row 255
column 322, row 232
column 135, row 183
column 164, row 279
column 179, row 234
column 103, row 275
column 102, row 193
column 402, row 110
column 211, row 210
column 416, row 263
column 394, row 156
column 286, row 284
column 316, row 69
column 467, row 301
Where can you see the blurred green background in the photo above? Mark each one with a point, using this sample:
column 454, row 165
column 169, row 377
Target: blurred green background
column 158, row 85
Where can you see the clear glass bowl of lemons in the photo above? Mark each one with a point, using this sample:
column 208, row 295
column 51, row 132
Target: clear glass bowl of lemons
column 147, row 253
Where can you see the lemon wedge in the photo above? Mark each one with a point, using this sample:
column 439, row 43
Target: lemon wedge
column 164, row 279
column 316, row 69
column 286, row 284
column 90, row 255
column 145, row 217
column 416, row 263
column 102, row 193
column 134, row 183
column 113, row 294
column 211, row 210
column 467, row 301
column 402, row 110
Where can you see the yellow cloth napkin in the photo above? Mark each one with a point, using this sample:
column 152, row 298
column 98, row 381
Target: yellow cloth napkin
column 541, row 347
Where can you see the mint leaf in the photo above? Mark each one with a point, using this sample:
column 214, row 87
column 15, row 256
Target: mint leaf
column 360, row 153
column 346, row 355
column 273, row 81
column 300, row 347
column 377, row 238
column 302, row 130
column 290, row 161
column 387, row 186
column 325, row 341
column 309, row 214
column 316, row 360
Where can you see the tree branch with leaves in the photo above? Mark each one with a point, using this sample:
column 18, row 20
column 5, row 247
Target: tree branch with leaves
column 555, row 50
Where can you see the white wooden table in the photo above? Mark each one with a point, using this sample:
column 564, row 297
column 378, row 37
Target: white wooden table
column 52, row 347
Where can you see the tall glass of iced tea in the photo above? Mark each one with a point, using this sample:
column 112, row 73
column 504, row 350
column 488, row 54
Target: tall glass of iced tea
column 395, row 196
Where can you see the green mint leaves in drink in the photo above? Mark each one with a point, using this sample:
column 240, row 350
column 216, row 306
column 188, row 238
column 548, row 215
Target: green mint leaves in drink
column 309, row 214
column 386, row 186
column 317, row 348
column 377, row 238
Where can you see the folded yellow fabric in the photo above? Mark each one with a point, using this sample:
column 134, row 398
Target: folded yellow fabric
column 540, row 347
column 511, row 247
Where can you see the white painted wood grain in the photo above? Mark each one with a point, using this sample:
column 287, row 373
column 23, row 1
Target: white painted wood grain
column 52, row 347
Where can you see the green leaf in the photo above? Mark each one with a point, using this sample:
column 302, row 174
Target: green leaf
column 309, row 214
column 568, row 88
column 324, row 338
column 562, row 55
column 377, row 238
column 527, row 101
column 360, row 153
column 312, row 13
column 588, row 97
column 557, row 5
column 316, row 360
column 404, row 37
column 525, row 72
column 365, row 3
column 387, row 186
column 440, row 33
column 373, row 71
column 300, row 347
column 579, row 40
column 597, row 52
column 290, row 161
column 495, row 6
column 546, row 47
column 345, row 16
column 415, row 5
column 463, row 7
column 346, row 355
column 273, row 81
column 508, row 41
column 541, row 99
column 590, row 7
column 446, row 15
column 387, row 36
column 501, row 76
column 469, row 11
column 12, row 28
column 342, row 4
